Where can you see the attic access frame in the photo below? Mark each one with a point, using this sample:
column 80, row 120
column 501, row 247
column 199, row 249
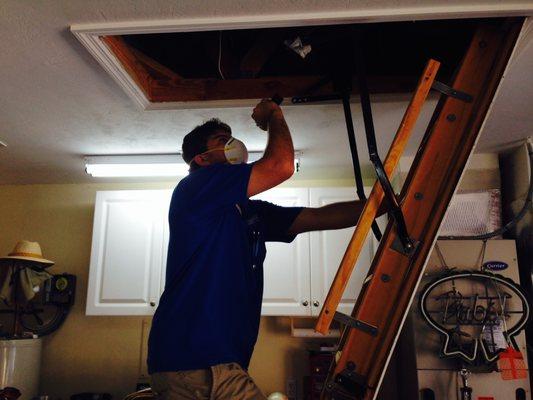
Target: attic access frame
column 372, row 330
column 90, row 36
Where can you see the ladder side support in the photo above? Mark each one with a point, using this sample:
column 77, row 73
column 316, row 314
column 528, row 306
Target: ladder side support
column 373, row 203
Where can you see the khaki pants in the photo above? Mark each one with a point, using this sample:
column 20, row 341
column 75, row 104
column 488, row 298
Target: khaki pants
column 220, row 382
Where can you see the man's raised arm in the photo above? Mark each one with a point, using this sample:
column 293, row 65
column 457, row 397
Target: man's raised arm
column 277, row 164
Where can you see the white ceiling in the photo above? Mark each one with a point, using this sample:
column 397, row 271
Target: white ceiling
column 57, row 104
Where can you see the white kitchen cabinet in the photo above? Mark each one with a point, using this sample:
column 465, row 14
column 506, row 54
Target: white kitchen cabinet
column 327, row 250
column 130, row 240
column 298, row 275
column 128, row 253
column 286, row 267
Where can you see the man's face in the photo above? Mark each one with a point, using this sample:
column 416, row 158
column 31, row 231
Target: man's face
column 215, row 149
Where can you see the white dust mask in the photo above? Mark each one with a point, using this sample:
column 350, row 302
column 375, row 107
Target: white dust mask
column 235, row 151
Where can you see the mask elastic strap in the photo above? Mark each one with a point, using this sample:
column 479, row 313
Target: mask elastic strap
column 219, row 148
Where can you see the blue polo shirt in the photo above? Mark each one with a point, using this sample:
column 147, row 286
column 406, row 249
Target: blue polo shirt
column 210, row 309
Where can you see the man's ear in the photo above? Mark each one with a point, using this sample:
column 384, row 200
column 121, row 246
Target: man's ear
column 201, row 159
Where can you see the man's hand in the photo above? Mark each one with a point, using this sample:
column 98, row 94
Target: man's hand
column 263, row 112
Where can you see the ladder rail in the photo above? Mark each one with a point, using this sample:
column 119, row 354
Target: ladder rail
column 373, row 203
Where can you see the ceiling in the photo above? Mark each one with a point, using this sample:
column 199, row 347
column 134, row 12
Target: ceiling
column 58, row 104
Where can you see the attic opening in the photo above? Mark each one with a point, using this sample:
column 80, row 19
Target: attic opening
column 294, row 61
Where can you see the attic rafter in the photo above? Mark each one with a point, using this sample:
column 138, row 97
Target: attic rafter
column 233, row 89
column 260, row 52
column 156, row 70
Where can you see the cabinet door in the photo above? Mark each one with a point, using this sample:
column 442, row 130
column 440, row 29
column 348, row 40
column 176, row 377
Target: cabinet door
column 286, row 267
column 328, row 248
column 128, row 252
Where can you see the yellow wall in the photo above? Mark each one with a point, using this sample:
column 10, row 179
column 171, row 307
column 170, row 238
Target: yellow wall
column 104, row 353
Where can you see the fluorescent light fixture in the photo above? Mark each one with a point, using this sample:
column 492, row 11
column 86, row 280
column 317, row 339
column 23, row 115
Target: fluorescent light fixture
column 156, row 165
column 136, row 165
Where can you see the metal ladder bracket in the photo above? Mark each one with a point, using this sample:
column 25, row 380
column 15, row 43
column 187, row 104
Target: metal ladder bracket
column 347, row 385
column 355, row 323
column 397, row 245
column 449, row 91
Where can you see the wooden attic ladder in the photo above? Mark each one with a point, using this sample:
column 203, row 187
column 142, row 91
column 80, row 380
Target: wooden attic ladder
column 371, row 331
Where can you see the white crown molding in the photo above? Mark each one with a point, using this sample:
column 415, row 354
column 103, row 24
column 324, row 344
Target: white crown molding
column 89, row 35
column 113, row 66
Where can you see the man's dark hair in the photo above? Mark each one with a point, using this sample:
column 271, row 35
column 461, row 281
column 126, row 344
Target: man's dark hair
column 195, row 142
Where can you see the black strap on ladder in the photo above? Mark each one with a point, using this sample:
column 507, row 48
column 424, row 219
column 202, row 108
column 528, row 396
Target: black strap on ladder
column 407, row 244
column 342, row 83
column 343, row 87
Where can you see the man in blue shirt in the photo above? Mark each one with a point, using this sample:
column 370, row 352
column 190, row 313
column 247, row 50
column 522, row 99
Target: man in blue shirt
column 206, row 325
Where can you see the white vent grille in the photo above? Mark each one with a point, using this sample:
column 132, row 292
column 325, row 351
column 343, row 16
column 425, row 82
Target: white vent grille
column 473, row 213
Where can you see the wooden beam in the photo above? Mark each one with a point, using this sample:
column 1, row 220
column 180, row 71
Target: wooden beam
column 231, row 89
column 264, row 47
column 374, row 200
column 216, row 89
column 127, row 58
column 156, row 70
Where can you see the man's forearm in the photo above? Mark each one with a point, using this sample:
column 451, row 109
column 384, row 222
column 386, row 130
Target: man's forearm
column 277, row 164
column 339, row 215
column 279, row 147
column 332, row 216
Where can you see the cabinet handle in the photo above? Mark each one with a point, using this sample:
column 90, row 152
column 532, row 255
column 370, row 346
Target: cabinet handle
column 305, row 303
column 316, row 303
column 152, row 303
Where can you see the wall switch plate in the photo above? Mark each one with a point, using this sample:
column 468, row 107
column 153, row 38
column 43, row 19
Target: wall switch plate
column 290, row 389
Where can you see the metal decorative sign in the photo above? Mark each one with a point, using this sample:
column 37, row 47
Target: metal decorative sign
column 476, row 313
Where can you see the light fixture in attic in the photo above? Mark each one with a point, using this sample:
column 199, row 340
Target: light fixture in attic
column 150, row 165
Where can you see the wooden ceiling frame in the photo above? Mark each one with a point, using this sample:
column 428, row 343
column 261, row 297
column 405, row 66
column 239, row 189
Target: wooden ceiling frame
column 162, row 87
column 160, row 84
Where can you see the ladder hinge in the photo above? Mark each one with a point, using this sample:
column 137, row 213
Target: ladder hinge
column 398, row 246
column 347, row 385
column 449, row 91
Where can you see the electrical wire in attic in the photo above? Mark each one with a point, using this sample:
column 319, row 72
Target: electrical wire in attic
column 220, row 54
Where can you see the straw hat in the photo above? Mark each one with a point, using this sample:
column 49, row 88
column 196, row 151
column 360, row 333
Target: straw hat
column 28, row 251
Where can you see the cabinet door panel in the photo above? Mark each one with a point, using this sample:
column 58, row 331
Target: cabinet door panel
column 127, row 254
column 286, row 267
column 327, row 250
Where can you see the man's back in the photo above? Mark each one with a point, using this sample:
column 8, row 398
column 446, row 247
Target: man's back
column 209, row 312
